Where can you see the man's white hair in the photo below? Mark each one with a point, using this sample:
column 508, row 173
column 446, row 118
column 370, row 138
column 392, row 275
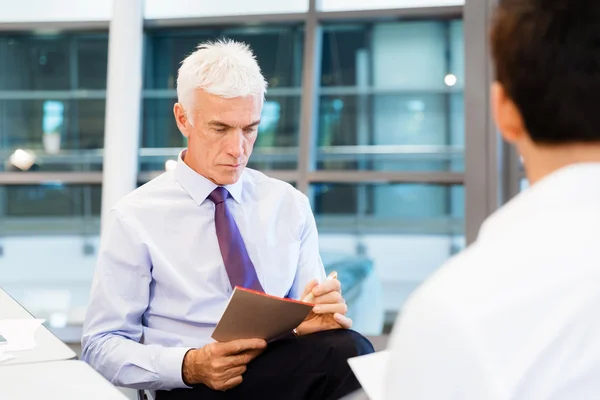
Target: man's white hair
column 225, row 68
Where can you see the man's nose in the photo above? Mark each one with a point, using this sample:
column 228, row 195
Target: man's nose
column 235, row 144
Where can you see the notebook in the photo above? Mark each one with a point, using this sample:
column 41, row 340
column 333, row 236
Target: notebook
column 370, row 372
column 255, row 315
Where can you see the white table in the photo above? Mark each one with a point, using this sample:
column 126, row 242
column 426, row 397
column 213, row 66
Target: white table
column 65, row 380
column 48, row 347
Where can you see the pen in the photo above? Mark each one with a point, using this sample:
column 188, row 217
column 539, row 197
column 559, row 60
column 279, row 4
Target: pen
column 310, row 298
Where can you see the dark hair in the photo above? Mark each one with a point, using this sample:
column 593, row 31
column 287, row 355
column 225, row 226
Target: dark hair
column 547, row 57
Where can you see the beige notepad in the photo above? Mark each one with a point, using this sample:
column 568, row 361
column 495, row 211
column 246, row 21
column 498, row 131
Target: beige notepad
column 255, row 315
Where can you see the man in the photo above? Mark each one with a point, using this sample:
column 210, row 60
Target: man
column 173, row 250
column 516, row 315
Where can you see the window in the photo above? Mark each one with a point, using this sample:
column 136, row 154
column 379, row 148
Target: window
column 391, row 102
column 391, row 97
column 406, row 230
column 52, row 95
column 52, row 200
column 50, row 208
column 279, row 53
column 389, row 208
column 52, row 109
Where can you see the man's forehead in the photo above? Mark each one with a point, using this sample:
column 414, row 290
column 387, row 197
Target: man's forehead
column 202, row 95
column 237, row 112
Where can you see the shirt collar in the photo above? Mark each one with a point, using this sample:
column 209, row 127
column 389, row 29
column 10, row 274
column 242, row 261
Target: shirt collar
column 198, row 186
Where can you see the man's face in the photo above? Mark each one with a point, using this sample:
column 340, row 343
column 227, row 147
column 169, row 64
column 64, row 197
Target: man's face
column 222, row 136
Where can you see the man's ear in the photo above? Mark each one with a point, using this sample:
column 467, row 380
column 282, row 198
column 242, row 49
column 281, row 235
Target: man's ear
column 181, row 118
column 506, row 114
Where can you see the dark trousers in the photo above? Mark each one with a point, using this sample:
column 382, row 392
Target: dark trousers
column 297, row 368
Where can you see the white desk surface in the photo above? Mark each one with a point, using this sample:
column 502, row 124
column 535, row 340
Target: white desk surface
column 65, row 380
column 48, row 347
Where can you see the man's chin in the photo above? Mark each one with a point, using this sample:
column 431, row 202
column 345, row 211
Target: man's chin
column 230, row 177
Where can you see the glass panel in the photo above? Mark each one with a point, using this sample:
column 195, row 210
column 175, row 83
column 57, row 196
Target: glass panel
column 344, row 5
column 159, row 127
column 31, row 62
column 423, row 208
column 277, row 143
column 52, row 208
column 279, row 53
column 52, row 100
column 404, row 232
column 52, row 200
column 60, row 135
column 61, row 224
column 92, row 62
column 389, row 268
column 277, row 49
column 155, row 9
column 53, row 62
column 392, row 97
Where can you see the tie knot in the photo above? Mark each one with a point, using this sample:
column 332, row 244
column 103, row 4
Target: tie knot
column 218, row 195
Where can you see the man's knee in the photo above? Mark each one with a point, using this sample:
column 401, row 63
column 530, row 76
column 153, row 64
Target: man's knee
column 343, row 344
column 353, row 344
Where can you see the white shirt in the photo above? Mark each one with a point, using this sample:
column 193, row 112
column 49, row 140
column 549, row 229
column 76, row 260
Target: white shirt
column 160, row 277
column 517, row 315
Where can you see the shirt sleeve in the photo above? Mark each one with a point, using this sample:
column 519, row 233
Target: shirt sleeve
column 310, row 265
column 113, row 326
column 434, row 354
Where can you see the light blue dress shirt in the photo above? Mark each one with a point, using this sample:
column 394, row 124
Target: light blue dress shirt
column 160, row 284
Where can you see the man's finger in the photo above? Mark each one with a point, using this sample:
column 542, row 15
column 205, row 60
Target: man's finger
column 254, row 353
column 309, row 287
column 243, row 358
column 241, row 345
column 233, row 372
column 344, row 321
column 329, row 285
column 231, row 383
column 340, row 308
column 329, row 298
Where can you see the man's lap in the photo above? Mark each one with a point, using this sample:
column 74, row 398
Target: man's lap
column 314, row 363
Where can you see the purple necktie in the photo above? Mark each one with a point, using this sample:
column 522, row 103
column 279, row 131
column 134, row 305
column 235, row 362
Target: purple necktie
column 238, row 265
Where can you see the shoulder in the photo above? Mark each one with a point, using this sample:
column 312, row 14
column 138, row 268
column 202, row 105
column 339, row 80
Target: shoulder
column 148, row 196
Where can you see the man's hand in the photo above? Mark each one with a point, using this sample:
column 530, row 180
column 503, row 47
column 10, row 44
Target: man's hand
column 220, row 365
column 330, row 308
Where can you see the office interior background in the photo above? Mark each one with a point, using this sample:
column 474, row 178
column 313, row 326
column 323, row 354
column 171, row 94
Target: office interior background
column 377, row 110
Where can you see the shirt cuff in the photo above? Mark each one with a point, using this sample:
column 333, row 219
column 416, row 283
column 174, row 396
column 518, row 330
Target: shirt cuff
column 170, row 368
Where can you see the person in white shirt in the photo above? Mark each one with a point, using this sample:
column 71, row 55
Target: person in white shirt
column 517, row 314
column 173, row 250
